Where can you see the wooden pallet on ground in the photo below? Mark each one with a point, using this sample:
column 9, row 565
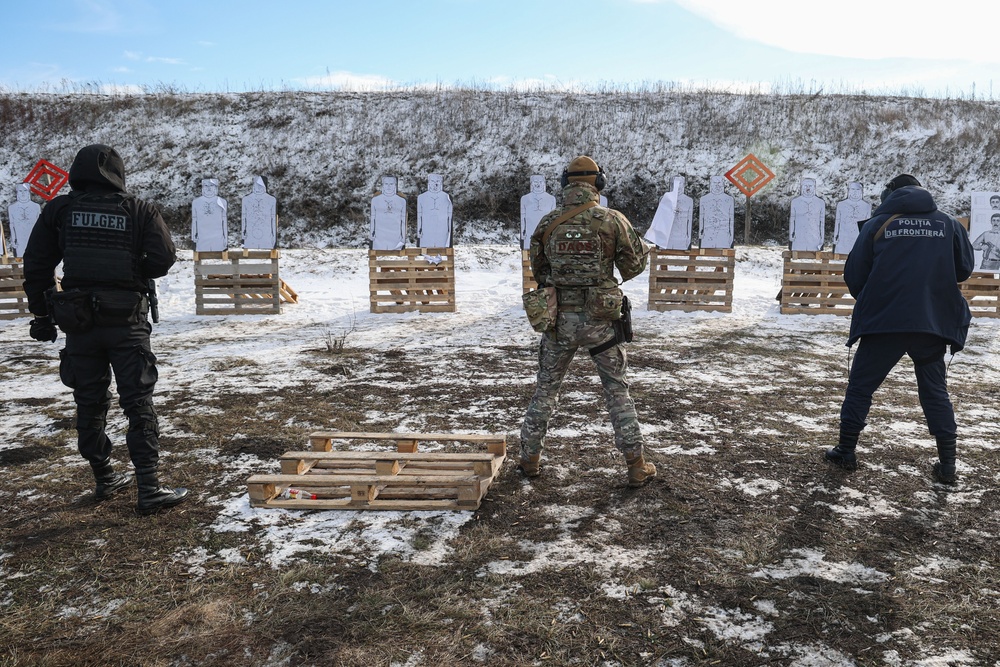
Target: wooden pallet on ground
column 239, row 282
column 403, row 281
column 13, row 300
column 399, row 479
column 812, row 283
column 527, row 277
column 690, row 280
column 982, row 291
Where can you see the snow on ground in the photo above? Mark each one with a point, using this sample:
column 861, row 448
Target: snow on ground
column 333, row 285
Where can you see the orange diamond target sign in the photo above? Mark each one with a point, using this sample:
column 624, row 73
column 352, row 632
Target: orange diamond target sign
column 750, row 175
column 45, row 179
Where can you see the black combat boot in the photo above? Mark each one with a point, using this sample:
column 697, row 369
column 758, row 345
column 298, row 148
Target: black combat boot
column 944, row 469
column 109, row 482
column 152, row 496
column 843, row 454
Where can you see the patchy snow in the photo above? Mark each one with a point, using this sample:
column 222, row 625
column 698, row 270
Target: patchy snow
column 275, row 351
column 813, row 563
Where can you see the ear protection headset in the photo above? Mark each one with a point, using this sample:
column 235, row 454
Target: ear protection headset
column 600, row 178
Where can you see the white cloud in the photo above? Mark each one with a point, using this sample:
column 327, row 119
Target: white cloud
column 123, row 70
column 137, row 56
column 120, row 89
column 348, row 81
column 863, row 29
column 93, row 16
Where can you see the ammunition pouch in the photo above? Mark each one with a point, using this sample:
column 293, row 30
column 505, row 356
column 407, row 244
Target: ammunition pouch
column 604, row 303
column 542, row 309
column 119, row 308
column 72, row 310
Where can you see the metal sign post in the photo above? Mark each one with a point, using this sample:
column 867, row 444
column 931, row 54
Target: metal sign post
column 750, row 175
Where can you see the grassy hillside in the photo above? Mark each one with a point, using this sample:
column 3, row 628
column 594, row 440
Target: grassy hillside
column 324, row 153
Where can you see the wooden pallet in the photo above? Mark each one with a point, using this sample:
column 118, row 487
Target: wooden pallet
column 690, row 280
column 812, row 283
column 403, row 281
column 527, row 277
column 982, row 291
column 404, row 479
column 13, row 300
column 240, row 282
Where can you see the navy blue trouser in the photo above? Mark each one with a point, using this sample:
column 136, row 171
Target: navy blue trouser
column 877, row 355
column 86, row 365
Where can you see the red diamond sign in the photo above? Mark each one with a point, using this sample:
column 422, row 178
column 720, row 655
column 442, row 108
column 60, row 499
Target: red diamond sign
column 45, row 179
column 750, row 175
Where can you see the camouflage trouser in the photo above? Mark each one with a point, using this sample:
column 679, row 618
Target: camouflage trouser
column 573, row 331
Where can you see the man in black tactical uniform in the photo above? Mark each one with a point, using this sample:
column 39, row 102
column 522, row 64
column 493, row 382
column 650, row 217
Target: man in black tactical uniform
column 111, row 245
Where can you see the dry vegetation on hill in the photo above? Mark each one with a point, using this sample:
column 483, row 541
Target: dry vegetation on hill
column 323, row 153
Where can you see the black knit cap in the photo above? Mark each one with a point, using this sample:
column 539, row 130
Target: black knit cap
column 901, row 181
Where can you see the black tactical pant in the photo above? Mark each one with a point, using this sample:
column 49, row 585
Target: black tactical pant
column 85, row 366
column 877, row 355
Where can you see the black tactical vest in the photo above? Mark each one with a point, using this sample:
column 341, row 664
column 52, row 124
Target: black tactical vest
column 100, row 241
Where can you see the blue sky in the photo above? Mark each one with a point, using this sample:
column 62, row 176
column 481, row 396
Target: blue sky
column 872, row 46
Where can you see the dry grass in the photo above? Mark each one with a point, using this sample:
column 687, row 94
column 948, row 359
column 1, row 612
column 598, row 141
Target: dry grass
column 326, row 151
column 92, row 584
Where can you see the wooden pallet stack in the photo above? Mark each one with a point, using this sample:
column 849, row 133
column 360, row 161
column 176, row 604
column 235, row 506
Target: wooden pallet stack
column 527, row 277
column 982, row 291
column 689, row 280
column 402, row 478
column 812, row 283
column 240, row 282
column 402, row 281
column 13, row 300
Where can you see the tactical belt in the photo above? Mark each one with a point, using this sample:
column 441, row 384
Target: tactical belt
column 572, row 299
column 606, row 345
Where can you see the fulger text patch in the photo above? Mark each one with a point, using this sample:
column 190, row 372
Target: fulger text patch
column 99, row 220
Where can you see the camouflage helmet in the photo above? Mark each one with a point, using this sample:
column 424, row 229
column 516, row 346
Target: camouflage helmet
column 584, row 169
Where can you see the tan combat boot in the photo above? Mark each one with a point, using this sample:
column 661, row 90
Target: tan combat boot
column 530, row 465
column 640, row 472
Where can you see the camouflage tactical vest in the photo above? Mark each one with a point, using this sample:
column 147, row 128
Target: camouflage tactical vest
column 575, row 253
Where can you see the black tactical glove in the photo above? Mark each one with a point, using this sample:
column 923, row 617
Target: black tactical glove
column 43, row 329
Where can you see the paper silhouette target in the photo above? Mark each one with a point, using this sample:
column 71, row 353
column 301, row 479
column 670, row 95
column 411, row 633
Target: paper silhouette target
column 984, row 229
column 434, row 215
column 671, row 226
column 534, row 206
column 22, row 215
column 716, row 216
column 850, row 212
column 806, row 226
column 259, row 214
column 209, row 227
column 387, row 228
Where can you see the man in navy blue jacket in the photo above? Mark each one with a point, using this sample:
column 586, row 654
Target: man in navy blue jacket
column 904, row 272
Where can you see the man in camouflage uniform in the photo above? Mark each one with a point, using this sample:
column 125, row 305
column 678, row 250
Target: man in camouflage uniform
column 582, row 271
